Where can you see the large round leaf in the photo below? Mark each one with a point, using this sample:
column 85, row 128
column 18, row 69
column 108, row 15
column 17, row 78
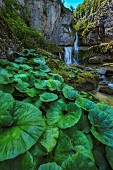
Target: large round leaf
column 48, row 97
column 78, row 161
column 49, row 138
column 101, row 119
column 25, row 131
column 63, row 115
column 70, row 93
column 85, row 103
column 109, row 154
column 50, row 166
column 24, row 162
column 63, row 149
column 54, row 85
column 5, row 76
column 6, row 109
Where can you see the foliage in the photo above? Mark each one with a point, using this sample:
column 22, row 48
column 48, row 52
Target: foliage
column 47, row 124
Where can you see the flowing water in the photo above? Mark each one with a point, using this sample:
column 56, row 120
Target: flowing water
column 68, row 58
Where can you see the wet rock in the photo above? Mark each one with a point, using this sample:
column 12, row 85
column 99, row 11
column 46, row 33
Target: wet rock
column 104, row 82
column 109, row 73
column 111, row 79
column 88, row 69
column 106, row 89
column 101, row 71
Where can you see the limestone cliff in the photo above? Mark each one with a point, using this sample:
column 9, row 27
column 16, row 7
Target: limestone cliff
column 96, row 23
column 52, row 18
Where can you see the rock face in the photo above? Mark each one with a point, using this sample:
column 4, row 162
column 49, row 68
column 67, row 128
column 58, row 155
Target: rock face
column 52, row 18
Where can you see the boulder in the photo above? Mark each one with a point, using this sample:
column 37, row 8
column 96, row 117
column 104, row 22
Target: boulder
column 106, row 89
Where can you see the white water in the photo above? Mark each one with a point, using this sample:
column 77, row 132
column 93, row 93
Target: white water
column 68, row 53
column 76, row 48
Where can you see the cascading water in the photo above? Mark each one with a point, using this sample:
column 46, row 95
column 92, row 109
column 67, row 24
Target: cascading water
column 76, row 48
column 68, row 53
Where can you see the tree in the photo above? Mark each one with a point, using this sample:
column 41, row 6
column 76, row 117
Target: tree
column 72, row 8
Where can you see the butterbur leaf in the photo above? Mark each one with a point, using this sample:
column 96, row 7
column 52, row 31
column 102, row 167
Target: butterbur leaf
column 39, row 61
column 50, row 166
column 83, row 124
column 21, row 86
column 78, row 161
column 31, row 92
column 23, row 161
column 63, row 115
column 100, row 159
column 44, row 68
column 63, row 149
column 70, row 93
column 23, row 77
column 7, row 88
column 56, row 77
column 4, row 62
column 40, row 84
column 38, row 151
column 54, row 85
column 27, row 127
column 20, row 60
column 6, row 109
column 4, row 76
column 85, row 103
column 25, row 67
column 101, row 118
column 49, row 138
column 48, row 97
column 109, row 154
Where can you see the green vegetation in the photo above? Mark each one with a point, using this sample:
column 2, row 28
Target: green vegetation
column 15, row 19
column 46, row 124
column 83, row 17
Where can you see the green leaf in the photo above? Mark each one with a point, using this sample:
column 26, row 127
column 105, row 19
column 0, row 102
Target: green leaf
column 70, row 93
column 101, row 119
column 20, row 60
column 56, row 77
column 4, row 62
column 44, row 68
column 23, row 76
column 63, row 149
column 100, row 159
column 21, row 86
column 7, row 88
column 109, row 154
column 31, row 92
column 27, row 127
column 54, row 85
column 83, row 124
column 37, row 102
column 78, row 161
column 25, row 67
column 6, row 109
column 24, row 161
column 50, row 166
column 63, row 115
column 48, row 97
column 39, row 61
column 85, row 103
column 38, row 152
column 40, row 84
column 4, row 76
column 49, row 138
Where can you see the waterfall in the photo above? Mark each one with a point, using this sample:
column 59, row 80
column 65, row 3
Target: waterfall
column 68, row 55
column 68, row 58
column 76, row 48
